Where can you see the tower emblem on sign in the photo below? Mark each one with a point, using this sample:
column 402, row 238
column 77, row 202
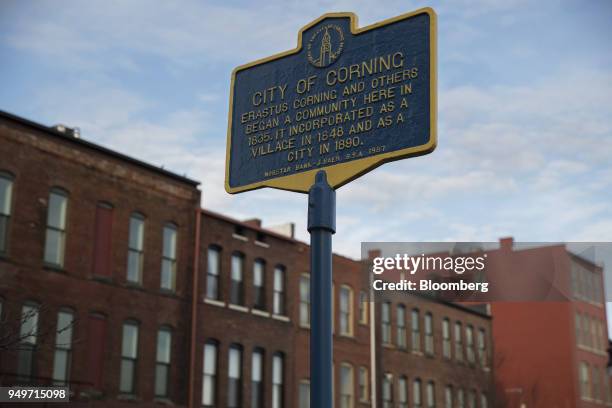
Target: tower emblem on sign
column 325, row 45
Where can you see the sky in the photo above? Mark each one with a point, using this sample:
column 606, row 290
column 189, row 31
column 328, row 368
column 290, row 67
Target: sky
column 525, row 108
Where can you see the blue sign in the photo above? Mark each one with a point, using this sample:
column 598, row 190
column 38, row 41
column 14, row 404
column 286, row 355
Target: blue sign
column 346, row 100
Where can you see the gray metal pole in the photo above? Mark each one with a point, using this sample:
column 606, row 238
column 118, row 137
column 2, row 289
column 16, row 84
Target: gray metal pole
column 321, row 226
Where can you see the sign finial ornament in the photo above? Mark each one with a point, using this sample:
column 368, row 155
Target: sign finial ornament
column 325, row 45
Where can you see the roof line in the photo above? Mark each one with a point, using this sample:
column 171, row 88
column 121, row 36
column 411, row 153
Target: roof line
column 246, row 225
column 55, row 133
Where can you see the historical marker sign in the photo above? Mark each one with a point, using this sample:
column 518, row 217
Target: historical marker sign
column 346, row 100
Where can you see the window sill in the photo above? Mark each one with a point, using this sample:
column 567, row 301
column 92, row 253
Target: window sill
column 54, row 268
column 238, row 308
column 259, row 312
column 133, row 285
column 214, row 302
column 417, row 353
column 169, row 293
column 240, row 237
column 102, row 279
column 128, row 397
column 262, row 244
column 163, row 401
column 280, row 317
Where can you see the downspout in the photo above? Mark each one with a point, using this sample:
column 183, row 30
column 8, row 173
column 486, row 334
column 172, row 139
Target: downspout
column 194, row 311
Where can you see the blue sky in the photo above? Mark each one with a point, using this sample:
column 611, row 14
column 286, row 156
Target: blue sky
column 525, row 108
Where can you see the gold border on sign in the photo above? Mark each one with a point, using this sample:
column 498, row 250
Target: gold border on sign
column 342, row 173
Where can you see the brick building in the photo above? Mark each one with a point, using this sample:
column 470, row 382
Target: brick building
column 115, row 282
column 102, row 240
column 551, row 353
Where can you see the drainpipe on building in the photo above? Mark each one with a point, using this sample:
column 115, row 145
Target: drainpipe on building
column 372, row 350
column 194, row 311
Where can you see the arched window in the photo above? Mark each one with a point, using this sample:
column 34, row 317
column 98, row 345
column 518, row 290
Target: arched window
column 63, row 347
column 237, row 279
column 446, row 339
column 363, row 307
column 28, row 340
column 259, row 284
column 305, row 300
column 431, row 394
column 55, row 238
column 402, row 392
column 209, row 375
column 168, row 266
column 212, row 272
column 416, row 330
column 278, row 394
column 278, row 307
column 429, row 339
column 234, row 376
column 257, row 378
column 417, row 400
column 6, row 207
column 458, row 342
column 387, row 390
column 385, row 322
column 346, row 310
column 400, row 318
column 347, row 386
column 163, row 361
column 364, row 393
column 136, row 248
column 129, row 357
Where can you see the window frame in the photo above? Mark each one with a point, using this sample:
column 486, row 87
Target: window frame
column 346, row 316
column 259, row 291
column 128, row 359
column 6, row 225
column 61, row 231
column 237, row 286
column 137, row 252
column 210, row 276
column 60, row 349
column 166, row 365
column 279, row 307
column 214, row 346
column 169, row 259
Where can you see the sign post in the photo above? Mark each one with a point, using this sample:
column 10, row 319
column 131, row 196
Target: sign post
column 311, row 119
column 321, row 226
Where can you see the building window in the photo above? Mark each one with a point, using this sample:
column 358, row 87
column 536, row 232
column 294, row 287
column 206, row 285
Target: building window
column 28, row 334
column 446, row 339
column 363, row 308
column 484, row 401
column 416, row 331
column 136, row 248
column 55, row 240
column 482, row 348
column 234, row 377
column 431, row 394
column 387, row 391
column 402, row 392
column 212, row 273
column 400, row 326
column 162, row 361
column 279, row 290
column 237, row 281
column 129, row 357
column 259, row 284
column 416, row 393
column 469, row 344
column 429, row 339
column 458, row 342
column 385, row 322
column 471, row 399
column 595, row 384
column 103, row 240
column 6, row 201
column 305, row 300
column 168, row 267
column 304, row 394
column 257, row 378
column 96, row 349
column 346, row 311
column 346, row 386
column 363, row 384
column 584, row 381
column 209, row 376
column 460, row 398
column 448, row 397
column 63, row 347
column 277, row 381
